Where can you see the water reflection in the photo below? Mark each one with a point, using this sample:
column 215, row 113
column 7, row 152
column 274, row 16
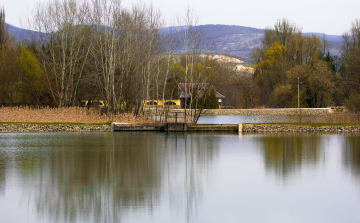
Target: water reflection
column 286, row 153
column 2, row 172
column 233, row 119
column 106, row 177
column 189, row 158
column 158, row 177
column 351, row 154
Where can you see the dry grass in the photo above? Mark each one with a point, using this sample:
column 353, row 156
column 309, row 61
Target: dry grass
column 64, row 115
column 83, row 115
column 340, row 117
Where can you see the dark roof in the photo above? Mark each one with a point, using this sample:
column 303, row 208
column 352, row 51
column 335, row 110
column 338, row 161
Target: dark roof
column 202, row 87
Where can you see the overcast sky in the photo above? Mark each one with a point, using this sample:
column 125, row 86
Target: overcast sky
column 332, row 17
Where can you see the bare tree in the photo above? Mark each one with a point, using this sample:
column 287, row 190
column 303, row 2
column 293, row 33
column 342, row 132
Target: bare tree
column 126, row 43
column 105, row 17
column 191, row 44
column 325, row 43
column 3, row 29
column 350, row 71
column 62, row 30
column 170, row 45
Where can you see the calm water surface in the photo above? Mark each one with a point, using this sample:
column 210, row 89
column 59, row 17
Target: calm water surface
column 232, row 119
column 159, row 177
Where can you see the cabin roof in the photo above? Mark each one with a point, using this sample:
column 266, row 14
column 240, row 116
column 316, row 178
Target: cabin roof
column 202, row 88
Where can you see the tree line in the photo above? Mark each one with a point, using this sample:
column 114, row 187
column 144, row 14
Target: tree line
column 293, row 69
column 100, row 50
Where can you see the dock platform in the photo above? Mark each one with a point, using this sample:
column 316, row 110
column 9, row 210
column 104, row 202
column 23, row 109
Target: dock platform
column 174, row 127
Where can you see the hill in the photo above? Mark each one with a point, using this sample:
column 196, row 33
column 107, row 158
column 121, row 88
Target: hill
column 239, row 41
column 236, row 41
column 15, row 31
column 18, row 32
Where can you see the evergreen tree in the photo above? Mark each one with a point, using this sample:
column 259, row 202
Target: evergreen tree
column 211, row 101
column 329, row 60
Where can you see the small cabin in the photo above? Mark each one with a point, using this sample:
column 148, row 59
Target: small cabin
column 186, row 89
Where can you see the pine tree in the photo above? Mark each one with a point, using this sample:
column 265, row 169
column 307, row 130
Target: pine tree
column 211, row 102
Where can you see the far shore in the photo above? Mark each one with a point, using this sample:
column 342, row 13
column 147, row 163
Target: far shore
column 77, row 119
column 240, row 127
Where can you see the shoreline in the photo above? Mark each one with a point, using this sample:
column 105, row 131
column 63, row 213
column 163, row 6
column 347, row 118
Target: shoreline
column 241, row 127
column 40, row 128
column 300, row 128
column 253, row 112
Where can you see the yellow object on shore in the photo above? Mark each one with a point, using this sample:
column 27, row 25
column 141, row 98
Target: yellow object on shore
column 174, row 102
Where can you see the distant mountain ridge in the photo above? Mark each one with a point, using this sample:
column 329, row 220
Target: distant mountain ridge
column 237, row 41
column 14, row 31
column 17, row 32
column 240, row 41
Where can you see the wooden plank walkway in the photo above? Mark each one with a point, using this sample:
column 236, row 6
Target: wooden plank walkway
column 213, row 128
column 174, row 127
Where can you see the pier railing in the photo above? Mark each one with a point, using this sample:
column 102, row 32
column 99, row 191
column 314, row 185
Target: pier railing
column 177, row 117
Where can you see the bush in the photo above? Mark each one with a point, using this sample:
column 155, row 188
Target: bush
column 353, row 104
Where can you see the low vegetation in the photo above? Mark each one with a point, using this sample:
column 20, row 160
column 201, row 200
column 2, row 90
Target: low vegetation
column 69, row 115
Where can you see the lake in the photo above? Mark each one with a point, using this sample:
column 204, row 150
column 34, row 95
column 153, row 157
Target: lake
column 179, row 177
column 233, row 119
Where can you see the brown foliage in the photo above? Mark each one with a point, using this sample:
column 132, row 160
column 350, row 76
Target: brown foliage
column 9, row 58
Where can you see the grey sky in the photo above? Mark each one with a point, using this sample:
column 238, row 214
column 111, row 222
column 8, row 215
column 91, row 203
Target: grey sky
column 324, row 16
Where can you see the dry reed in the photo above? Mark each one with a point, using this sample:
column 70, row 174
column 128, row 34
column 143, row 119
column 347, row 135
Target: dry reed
column 65, row 115
column 92, row 115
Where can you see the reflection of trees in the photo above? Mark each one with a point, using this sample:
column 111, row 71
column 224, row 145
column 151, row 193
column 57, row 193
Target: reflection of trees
column 189, row 158
column 2, row 171
column 96, row 179
column 6, row 153
column 287, row 153
column 105, row 177
column 351, row 153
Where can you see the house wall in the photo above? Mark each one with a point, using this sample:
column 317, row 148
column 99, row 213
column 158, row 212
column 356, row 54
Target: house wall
column 160, row 102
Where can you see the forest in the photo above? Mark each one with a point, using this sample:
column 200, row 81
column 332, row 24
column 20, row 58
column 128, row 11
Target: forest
column 99, row 50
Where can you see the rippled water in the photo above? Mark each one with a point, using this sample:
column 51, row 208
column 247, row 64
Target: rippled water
column 159, row 177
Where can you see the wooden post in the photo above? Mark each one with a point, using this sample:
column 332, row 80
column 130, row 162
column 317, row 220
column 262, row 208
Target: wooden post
column 240, row 128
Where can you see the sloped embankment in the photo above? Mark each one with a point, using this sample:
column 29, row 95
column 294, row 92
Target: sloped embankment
column 8, row 128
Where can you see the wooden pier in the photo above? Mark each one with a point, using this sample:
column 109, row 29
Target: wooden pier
column 174, row 127
column 242, row 128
